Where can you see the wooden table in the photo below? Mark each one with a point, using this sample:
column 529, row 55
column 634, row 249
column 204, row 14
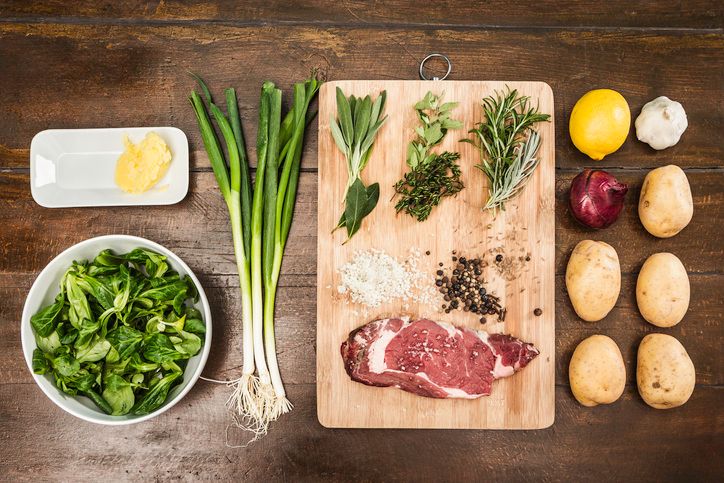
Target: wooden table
column 107, row 63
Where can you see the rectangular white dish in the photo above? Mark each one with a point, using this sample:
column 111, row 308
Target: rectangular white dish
column 76, row 167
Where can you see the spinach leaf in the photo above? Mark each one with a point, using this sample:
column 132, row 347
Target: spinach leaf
column 83, row 380
column 117, row 367
column 79, row 308
column 66, row 365
column 99, row 401
column 102, row 292
column 106, row 258
column 139, row 365
column 195, row 326
column 69, row 337
column 188, row 343
column 126, row 340
column 40, row 362
column 44, row 322
column 156, row 396
column 122, row 286
column 48, row 344
column 86, row 331
column 193, row 292
column 178, row 301
column 154, row 263
column 158, row 348
column 95, row 351
column 119, row 394
column 165, row 292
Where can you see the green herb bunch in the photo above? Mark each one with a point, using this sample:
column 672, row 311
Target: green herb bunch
column 354, row 131
column 508, row 145
column 120, row 331
column 432, row 176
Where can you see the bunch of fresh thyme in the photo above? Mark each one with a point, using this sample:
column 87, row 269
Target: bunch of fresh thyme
column 432, row 176
column 508, row 145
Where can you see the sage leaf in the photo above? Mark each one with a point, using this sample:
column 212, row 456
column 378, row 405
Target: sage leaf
column 355, row 204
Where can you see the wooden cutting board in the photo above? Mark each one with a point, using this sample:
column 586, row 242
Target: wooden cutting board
column 526, row 229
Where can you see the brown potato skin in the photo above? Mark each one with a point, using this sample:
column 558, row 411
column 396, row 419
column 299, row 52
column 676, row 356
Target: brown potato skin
column 597, row 373
column 662, row 290
column 593, row 279
column 665, row 374
column 665, row 204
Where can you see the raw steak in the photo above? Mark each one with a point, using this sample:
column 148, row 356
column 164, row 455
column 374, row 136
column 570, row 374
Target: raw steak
column 432, row 359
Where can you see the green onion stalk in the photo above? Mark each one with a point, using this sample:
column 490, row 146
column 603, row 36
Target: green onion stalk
column 260, row 220
column 279, row 209
column 235, row 187
column 267, row 150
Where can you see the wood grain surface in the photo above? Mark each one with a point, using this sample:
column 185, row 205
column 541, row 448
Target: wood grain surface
column 124, row 63
column 525, row 228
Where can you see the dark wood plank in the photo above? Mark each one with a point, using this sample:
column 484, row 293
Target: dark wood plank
column 700, row 331
column 495, row 13
column 34, row 235
column 627, row 441
column 131, row 72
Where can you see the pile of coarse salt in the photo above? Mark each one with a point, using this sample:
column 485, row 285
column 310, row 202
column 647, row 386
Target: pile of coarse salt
column 373, row 277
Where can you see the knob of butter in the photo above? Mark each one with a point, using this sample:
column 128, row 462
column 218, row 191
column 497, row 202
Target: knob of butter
column 142, row 165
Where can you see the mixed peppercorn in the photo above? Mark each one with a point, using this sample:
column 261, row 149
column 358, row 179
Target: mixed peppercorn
column 463, row 289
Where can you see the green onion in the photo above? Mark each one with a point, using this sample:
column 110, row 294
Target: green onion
column 260, row 224
column 285, row 198
column 230, row 181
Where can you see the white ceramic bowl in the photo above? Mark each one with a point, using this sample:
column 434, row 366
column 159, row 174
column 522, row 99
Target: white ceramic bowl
column 46, row 287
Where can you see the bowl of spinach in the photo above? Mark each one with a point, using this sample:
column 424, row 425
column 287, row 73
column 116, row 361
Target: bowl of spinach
column 116, row 329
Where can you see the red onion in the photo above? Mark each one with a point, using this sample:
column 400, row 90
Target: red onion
column 596, row 198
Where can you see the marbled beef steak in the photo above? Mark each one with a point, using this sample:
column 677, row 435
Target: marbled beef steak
column 432, row 359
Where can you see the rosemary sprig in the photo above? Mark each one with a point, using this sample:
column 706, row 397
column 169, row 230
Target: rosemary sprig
column 432, row 176
column 508, row 145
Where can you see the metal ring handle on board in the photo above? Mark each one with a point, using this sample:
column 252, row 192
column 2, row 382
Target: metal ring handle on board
column 432, row 56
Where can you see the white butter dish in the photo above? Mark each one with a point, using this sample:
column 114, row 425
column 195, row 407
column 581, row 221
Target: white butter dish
column 76, row 167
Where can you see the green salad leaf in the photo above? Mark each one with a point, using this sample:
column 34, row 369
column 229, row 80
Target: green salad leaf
column 120, row 331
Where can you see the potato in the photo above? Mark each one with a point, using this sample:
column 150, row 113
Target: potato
column 593, row 279
column 665, row 204
column 665, row 374
column 662, row 290
column 596, row 372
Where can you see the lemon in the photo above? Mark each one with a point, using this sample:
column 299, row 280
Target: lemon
column 599, row 122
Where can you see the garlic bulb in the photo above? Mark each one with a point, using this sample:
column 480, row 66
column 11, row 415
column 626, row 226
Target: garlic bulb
column 661, row 123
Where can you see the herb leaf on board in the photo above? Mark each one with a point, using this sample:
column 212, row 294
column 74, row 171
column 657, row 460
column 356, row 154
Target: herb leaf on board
column 432, row 176
column 508, row 145
column 354, row 131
